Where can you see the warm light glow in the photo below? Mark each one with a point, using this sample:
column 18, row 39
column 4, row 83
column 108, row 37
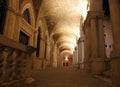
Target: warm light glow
column 66, row 58
column 68, row 45
column 67, row 15
column 83, row 8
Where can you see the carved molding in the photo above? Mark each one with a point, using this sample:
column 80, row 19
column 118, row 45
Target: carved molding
column 93, row 15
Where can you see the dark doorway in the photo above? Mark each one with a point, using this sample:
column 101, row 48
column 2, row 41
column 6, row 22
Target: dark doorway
column 65, row 64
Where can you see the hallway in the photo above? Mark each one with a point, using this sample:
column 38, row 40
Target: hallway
column 37, row 37
column 66, row 77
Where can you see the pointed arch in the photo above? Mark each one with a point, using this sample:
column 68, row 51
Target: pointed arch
column 27, row 7
column 26, row 16
column 38, row 43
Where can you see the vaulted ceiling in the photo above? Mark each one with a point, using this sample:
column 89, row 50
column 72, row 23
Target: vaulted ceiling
column 37, row 4
column 63, row 18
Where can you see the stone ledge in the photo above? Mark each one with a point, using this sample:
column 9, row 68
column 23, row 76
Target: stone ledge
column 104, row 78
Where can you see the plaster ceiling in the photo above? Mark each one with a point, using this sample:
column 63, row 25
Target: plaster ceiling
column 63, row 19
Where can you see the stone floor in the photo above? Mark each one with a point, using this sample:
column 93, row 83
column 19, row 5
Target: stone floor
column 66, row 77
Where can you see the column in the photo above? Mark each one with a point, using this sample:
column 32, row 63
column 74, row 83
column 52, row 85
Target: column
column 11, row 19
column 97, row 46
column 83, row 54
column 87, row 50
column 94, row 38
column 115, row 57
column 79, row 53
column 74, row 58
column 101, row 51
column 97, row 42
column 55, row 53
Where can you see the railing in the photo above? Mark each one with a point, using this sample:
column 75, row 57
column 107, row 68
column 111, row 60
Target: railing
column 14, row 60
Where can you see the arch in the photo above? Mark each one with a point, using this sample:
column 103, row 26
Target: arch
column 40, row 38
column 42, row 30
column 38, row 43
column 26, row 16
column 28, row 4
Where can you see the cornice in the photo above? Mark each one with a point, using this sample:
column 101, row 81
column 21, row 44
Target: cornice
column 92, row 15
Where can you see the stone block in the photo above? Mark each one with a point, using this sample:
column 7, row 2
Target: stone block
column 115, row 67
column 97, row 65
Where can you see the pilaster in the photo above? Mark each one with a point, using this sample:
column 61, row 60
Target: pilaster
column 87, row 49
column 115, row 57
column 97, row 42
column 11, row 17
column 95, row 46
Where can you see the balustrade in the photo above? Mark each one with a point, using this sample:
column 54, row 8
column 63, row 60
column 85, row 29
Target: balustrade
column 14, row 59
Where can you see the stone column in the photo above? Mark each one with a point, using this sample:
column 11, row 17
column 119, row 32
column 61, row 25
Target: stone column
column 74, row 58
column 42, row 52
column 79, row 53
column 82, row 50
column 101, row 44
column 87, row 49
column 97, row 42
column 97, row 46
column 55, row 53
column 11, row 19
column 115, row 57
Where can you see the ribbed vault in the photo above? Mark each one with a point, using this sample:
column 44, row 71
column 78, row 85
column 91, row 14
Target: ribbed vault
column 63, row 19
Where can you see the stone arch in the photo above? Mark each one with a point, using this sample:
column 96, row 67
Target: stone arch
column 38, row 42
column 28, row 4
column 26, row 16
column 40, row 26
column 47, row 47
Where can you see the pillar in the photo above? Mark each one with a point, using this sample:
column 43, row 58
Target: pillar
column 77, row 55
column 115, row 57
column 82, row 49
column 11, row 21
column 97, row 42
column 97, row 46
column 74, row 58
column 55, row 54
column 80, row 53
column 87, row 50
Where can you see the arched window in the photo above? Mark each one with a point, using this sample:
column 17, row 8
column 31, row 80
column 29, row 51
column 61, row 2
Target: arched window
column 3, row 9
column 38, row 44
column 26, row 15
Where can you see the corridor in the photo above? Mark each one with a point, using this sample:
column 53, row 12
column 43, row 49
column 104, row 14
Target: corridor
column 66, row 77
column 37, row 37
